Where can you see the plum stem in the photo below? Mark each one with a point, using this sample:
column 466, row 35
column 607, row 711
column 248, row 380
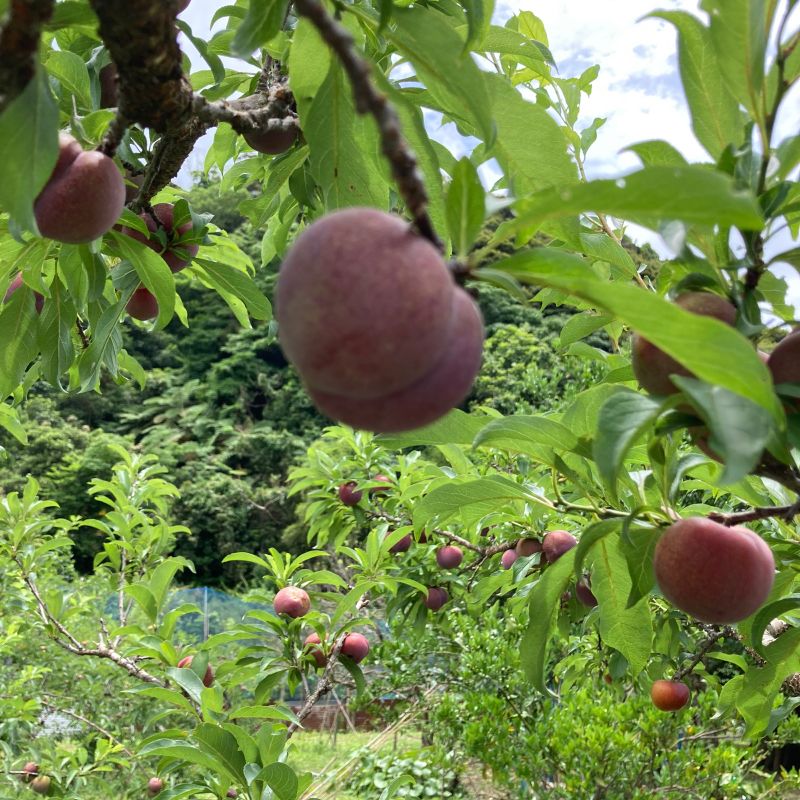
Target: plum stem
column 370, row 101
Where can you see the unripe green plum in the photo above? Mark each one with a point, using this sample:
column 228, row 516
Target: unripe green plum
column 271, row 142
column 292, row 601
column 556, row 543
column 449, row 557
column 142, row 305
column 669, row 695
column 41, row 784
column 443, row 387
column 83, row 197
column 714, row 573
column 653, row 366
column 355, row 646
column 208, row 677
column 364, row 304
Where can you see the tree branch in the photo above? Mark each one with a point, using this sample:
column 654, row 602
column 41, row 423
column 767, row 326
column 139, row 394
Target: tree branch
column 780, row 512
column 19, row 44
column 369, row 100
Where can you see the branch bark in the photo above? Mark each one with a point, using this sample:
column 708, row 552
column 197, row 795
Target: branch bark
column 19, row 43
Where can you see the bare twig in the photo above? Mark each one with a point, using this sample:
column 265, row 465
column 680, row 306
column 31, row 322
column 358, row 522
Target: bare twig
column 711, row 639
column 369, row 100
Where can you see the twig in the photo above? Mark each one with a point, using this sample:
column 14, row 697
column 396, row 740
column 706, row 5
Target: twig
column 369, row 100
column 88, row 722
column 113, row 136
column 325, row 683
column 713, row 637
column 19, row 44
column 780, row 512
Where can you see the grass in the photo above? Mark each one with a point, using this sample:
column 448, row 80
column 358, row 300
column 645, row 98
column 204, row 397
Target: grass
column 313, row 751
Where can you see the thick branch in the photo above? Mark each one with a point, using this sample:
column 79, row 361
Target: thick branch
column 19, row 43
column 369, row 100
column 778, row 512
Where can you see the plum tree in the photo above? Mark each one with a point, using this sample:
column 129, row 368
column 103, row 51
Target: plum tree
column 272, row 142
column 669, row 695
column 208, row 677
column 154, row 786
column 402, row 545
column 292, row 601
column 83, row 197
column 355, row 646
column 715, row 573
column 311, row 646
column 15, row 284
column 143, row 304
column 449, row 557
column 372, row 320
column 41, row 784
column 508, row 558
column 583, row 591
column 436, row 598
column 556, row 543
column 349, row 494
column 176, row 254
column 527, row 547
column 653, row 366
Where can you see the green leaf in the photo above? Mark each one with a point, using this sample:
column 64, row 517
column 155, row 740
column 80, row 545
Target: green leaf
column 263, row 21
column 739, row 429
column 344, row 147
column 649, row 197
column 639, row 547
column 144, row 599
column 578, row 326
column 658, row 153
column 9, row 420
column 233, row 284
column 768, row 613
column 281, row 779
column 152, row 271
column 726, row 357
column 457, row 427
column 481, row 496
column 437, row 53
column 18, row 323
column 466, row 207
column 716, row 120
column 627, row 629
column 526, row 434
column 739, row 35
column 69, row 69
column 223, row 746
column 162, row 576
column 530, row 146
column 264, row 712
column 623, row 419
column 545, row 600
column 184, row 751
column 29, row 133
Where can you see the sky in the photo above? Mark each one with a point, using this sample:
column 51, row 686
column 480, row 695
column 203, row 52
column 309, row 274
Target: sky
column 638, row 89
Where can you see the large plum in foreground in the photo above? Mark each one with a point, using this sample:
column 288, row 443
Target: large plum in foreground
column 715, row 573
